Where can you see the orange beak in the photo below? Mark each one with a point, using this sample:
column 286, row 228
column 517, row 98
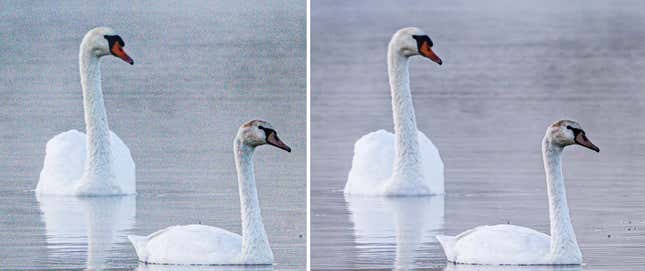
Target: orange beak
column 427, row 52
column 118, row 51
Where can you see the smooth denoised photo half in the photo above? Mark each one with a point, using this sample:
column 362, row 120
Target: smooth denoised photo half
column 153, row 136
column 431, row 120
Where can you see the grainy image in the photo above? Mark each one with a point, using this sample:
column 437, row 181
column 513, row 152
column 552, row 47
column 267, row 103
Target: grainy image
column 201, row 70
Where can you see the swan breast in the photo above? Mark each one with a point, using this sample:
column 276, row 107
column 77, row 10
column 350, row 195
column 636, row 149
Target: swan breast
column 372, row 165
column 64, row 164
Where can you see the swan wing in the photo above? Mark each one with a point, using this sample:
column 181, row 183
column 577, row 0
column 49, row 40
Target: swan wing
column 499, row 244
column 190, row 244
column 372, row 163
column 431, row 164
column 64, row 164
column 124, row 167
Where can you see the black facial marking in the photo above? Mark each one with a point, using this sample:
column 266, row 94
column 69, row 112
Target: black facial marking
column 267, row 131
column 576, row 131
column 420, row 39
column 112, row 39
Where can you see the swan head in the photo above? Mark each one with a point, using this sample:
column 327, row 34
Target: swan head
column 102, row 41
column 258, row 132
column 411, row 41
column 568, row 132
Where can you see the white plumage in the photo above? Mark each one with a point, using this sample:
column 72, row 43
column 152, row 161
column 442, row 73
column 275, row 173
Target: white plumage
column 514, row 245
column 99, row 163
column 190, row 244
column 372, row 166
column 403, row 163
column 65, row 161
column 205, row 245
column 507, row 244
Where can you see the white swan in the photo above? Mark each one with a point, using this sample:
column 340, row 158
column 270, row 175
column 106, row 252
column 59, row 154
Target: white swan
column 199, row 244
column 405, row 163
column 508, row 244
column 99, row 163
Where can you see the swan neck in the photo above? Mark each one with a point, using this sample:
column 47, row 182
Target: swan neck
column 98, row 162
column 563, row 237
column 407, row 155
column 255, row 244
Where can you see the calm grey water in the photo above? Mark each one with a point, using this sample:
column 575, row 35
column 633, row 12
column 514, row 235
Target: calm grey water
column 202, row 68
column 509, row 71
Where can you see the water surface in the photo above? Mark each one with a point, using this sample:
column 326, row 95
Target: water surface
column 510, row 69
column 202, row 68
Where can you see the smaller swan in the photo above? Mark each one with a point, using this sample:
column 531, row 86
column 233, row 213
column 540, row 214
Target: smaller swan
column 405, row 163
column 199, row 244
column 98, row 164
column 508, row 244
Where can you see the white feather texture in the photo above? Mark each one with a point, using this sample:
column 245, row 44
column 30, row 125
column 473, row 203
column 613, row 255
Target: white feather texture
column 372, row 167
column 499, row 244
column 514, row 245
column 96, row 164
column 65, row 160
column 206, row 245
column 190, row 244
column 405, row 163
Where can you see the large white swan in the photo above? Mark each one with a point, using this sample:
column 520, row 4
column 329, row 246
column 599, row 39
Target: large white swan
column 508, row 244
column 199, row 244
column 100, row 163
column 405, row 163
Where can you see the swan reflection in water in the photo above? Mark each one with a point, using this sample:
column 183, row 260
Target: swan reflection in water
column 470, row 267
column 86, row 228
column 403, row 222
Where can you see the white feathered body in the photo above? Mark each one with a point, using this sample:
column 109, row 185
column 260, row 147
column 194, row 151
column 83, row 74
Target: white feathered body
column 190, row 244
column 514, row 245
column 97, row 163
column 64, row 165
column 205, row 245
column 499, row 244
column 403, row 163
column 372, row 167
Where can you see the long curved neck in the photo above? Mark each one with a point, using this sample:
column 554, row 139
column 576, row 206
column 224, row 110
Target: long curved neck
column 255, row 244
column 407, row 153
column 563, row 238
column 98, row 162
